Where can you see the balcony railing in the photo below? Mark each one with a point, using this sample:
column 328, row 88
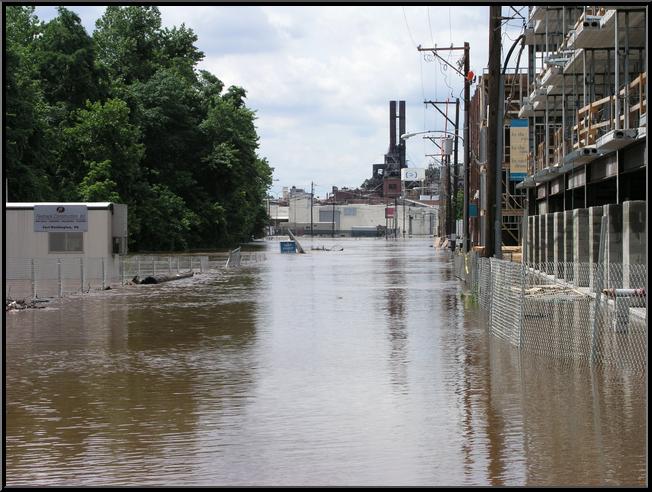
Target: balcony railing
column 598, row 117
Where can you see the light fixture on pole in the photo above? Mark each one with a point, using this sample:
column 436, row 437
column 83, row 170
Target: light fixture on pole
column 447, row 149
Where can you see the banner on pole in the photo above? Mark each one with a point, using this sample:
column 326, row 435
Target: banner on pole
column 518, row 149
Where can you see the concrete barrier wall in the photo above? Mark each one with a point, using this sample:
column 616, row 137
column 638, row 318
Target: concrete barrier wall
column 559, row 244
column 613, row 244
column 634, row 241
column 595, row 223
column 568, row 242
column 550, row 243
column 530, row 239
column 557, row 240
column 581, row 247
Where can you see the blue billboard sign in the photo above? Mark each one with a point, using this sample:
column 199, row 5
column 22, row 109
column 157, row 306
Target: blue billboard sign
column 288, row 247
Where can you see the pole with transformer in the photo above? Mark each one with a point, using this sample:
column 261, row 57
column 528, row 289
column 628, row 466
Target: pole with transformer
column 468, row 78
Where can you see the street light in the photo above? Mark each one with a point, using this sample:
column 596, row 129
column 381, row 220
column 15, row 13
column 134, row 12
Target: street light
column 405, row 136
column 447, row 150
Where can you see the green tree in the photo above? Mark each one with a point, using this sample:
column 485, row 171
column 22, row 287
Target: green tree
column 169, row 221
column 126, row 116
column 66, row 61
column 104, row 154
column 459, row 204
column 238, row 178
column 27, row 137
column 128, row 42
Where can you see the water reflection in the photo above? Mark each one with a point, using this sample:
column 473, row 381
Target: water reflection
column 106, row 379
column 362, row 367
column 396, row 317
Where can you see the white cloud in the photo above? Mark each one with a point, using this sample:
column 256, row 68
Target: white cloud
column 320, row 78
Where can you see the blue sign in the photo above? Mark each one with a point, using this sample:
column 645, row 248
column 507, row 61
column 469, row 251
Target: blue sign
column 473, row 210
column 517, row 176
column 519, row 122
column 288, row 247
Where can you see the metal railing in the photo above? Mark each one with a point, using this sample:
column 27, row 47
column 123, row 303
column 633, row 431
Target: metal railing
column 32, row 278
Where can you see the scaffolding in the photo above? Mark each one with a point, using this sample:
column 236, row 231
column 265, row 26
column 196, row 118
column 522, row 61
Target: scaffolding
column 587, row 106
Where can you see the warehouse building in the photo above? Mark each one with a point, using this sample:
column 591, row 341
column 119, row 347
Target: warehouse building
column 50, row 245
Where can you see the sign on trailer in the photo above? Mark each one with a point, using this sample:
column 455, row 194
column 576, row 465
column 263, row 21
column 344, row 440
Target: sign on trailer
column 60, row 218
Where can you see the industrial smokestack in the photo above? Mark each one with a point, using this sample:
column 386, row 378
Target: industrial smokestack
column 392, row 126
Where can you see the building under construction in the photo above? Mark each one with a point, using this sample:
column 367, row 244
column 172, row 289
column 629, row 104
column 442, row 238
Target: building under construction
column 513, row 197
column 575, row 143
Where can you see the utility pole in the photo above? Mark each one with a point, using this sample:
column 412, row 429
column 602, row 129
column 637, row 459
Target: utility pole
column 312, row 193
column 493, row 127
column 448, row 192
column 454, row 193
column 333, row 223
column 468, row 76
column 467, row 162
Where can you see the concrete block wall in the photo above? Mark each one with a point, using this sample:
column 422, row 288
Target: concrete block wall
column 634, row 242
column 536, row 253
column 581, row 247
column 558, row 244
column 573, row 237
column 595, row 223
column 568, row 243
column 530, row 240
column 541, row 243
column 613, row 251
column 550, row 243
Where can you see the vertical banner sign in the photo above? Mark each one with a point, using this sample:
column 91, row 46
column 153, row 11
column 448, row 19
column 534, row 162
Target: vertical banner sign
column 518, row 149
column 60, row 218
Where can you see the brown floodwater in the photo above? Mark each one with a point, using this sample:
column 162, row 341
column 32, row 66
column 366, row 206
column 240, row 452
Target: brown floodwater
column 361, row 367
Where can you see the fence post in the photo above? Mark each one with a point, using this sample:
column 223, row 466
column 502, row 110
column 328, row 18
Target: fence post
column 103, row 275
column 33, row 280
column 139, row 267
column 177, row 265
column 169, row 265
column 523, row 281
column 59, row 276
column 201, row 265
column 153, row 266
column 598, row 287
column 81, row 274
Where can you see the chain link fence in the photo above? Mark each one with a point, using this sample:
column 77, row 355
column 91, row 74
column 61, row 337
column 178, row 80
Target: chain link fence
column 582, row 311
column 57, row 277
column 33, row 278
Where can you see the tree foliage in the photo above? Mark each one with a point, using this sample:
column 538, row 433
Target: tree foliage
column 126, row 116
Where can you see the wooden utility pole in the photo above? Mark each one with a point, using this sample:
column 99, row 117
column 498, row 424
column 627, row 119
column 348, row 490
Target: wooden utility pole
column 492, row 127
column 312, row 193
column 468, row 76
column 455, row 167
column 467, row 151
column 448, row 191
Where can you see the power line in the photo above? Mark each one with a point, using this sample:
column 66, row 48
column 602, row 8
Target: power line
column 408, row 27
column 430, row 26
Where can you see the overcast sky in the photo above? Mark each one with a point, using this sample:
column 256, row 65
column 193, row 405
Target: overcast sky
column 320, row 78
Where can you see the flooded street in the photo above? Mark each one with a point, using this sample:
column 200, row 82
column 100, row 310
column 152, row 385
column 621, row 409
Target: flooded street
column 360, row 367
